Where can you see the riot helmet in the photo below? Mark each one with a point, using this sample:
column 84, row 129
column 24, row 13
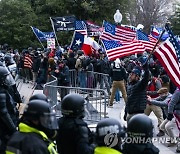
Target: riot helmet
column 40, row 110
column 1, row 56
column 109, row 132
column 140, row 126
column 8, row 60
column 6, row 77
column 1, row 64
column 72, row 105
column 39, row 97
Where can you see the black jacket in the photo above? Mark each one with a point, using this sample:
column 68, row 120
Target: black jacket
column 103, row 66
column 148, row 148
column 36, row 64
column 73, row 137
column 8, row 114
column 63, row 76
column 8, row 118
column 28, row 140
column 136, row 93
column 118, row 74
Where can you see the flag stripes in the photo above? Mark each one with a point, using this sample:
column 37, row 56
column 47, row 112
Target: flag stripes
column 166, row 55
column 115, row 51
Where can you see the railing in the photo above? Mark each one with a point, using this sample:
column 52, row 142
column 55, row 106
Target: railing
column 50, row 91
column 95, row 108
column 96, row 97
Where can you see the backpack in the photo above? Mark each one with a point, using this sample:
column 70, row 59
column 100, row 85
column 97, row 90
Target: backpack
column 83, row 63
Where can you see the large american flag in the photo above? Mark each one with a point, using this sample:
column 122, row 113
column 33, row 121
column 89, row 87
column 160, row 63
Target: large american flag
column 117, row 33
column 80, row 27
column 116, row 50
column 168, row 54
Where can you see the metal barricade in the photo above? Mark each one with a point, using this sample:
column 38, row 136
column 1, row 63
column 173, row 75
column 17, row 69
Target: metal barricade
column 96, row 101
column 95, row 97
column 51, row 92
column 90, row 79
column 25, row 89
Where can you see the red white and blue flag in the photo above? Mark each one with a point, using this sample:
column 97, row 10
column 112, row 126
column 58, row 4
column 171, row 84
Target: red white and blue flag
column 114, row 49
column 85, row 43
column 156, row 32
column 117, row 33
column 148, row 42
column 168, row 54
column 80, row 26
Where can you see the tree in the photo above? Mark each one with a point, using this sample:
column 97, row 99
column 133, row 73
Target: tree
column 15, row 21
column 175, row 20
column 149, row 12
column 18, row 15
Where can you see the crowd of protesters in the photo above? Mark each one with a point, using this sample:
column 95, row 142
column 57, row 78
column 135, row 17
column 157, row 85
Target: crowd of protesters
column 144, row 85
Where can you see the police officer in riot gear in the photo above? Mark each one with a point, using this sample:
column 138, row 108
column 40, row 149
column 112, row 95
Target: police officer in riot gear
column 73, row 134
column 140, row 133
column 39, row 96
column 109, row 134
column 8, row 111
column 10, row 64
column 12, row 88
column 37, row 124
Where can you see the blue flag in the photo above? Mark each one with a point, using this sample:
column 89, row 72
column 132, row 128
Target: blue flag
column 43, row 36
column 78, row 41
column 109, row 28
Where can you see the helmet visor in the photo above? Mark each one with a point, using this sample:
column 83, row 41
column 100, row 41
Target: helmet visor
column 9, row 80
column 49, row 120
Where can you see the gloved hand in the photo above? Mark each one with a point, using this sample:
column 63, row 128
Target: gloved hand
column 170, row 117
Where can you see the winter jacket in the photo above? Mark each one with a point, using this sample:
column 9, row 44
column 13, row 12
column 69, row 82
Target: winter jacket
column 136, row 94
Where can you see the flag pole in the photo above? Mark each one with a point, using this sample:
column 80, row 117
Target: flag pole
column 54, row 32
column 37, row 37
column 155, row 46
column 102, row 28
column 72, row 39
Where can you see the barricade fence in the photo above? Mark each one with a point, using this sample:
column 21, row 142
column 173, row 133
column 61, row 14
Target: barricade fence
column 51, row 92
column 96, row 100
column 25, row 90
column 89, row 79
column 93, row 91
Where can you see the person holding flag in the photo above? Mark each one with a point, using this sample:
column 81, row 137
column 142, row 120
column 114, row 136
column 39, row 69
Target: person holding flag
column 168, row 54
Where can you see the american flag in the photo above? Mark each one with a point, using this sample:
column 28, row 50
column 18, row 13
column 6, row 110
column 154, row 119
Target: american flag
column 144, row 39
column 152, row 39
column 80, row 27
column 168, row 54
column 117, row 33
column 116, row 50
